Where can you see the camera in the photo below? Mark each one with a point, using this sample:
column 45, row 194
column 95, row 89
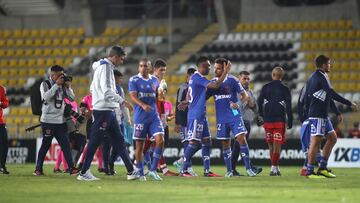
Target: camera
column 67, row 78
column 68, row 112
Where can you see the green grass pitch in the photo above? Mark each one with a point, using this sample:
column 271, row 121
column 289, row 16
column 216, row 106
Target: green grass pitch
column 22, row 186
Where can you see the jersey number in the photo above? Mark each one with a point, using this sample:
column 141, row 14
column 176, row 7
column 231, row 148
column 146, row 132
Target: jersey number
column 189, row 95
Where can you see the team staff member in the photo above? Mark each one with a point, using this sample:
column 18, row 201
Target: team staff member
column 4, row 103
column 52, row 118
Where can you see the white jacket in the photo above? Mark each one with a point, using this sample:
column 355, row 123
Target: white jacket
column 103, row 90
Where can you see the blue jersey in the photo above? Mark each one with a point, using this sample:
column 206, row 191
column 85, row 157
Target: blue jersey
column 227, row 93
column 197, row 96
column 146, row 90
column 319, row 95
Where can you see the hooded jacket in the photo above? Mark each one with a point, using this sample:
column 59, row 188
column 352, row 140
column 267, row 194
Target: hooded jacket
column 102, row 88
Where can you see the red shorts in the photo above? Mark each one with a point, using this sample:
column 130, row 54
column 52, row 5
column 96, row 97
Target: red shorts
column 275, row 132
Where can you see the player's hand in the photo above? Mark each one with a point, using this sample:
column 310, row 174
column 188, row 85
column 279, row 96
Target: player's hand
column 340, row 118
column 354, row 106
column 60, row 80
column 183, row 104
column 177, row 128
column 234, row 105
column 128, row 105
column 146, row 107
column 259, row 121
column 227, row 66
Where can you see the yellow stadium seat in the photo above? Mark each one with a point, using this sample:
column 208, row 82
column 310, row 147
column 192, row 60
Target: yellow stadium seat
column 65, row 51
column 38, row 52
column 84, row 51
column 75, row 52
column 40, row 62
column 57, row 52
column 56, row 42
column 29, row 42
column 53, row 32
column 44, row 33
column 47, row 52
column 348, row 24
column 25, row 33
column 96, row 41
column 66, row 42
column 71, row 32
column 19, row 42
column 59, row 61
column 32, row 62
column 19, row 52
column 80, row 31
column 2, row 43
column 47, row 42
column 21, row 82
column 108, row 32
column 10, row 42
column 49, row 62
column 7, row 33
column 104, row 41
column 16, row 33
column 22, row 72
column 88, row 41
column 34, row 33
column 28, row 52
column 342, row 34
column 26, row 121
column 68, row 61
column 38, row 42
column 2, row 53
column 75, row 41
column 62, row 32
column 32, row 71
column 13, row 63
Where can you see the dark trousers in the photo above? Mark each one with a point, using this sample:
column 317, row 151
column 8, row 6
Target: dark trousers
column 105, row 123
column 4, row 145
column 236, row 147
column 59, row 131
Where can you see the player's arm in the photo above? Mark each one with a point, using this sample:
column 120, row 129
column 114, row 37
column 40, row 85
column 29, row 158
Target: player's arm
column 106, row 84
column 335, row 110
column 4, row 102
column 288, row 108
column 260, row 101
column 216, row 84
column 136, row 100
column 301, row 105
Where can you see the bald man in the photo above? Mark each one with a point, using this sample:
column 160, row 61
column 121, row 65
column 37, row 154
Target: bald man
column 275, row 107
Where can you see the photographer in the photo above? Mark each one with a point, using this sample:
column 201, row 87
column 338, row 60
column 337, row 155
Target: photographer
column 53, row 93
column 77, row 140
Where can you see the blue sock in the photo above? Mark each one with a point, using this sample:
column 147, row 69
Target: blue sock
column 306, row 159
column 156, row 157
column 190, row 150
column 323, row 163
column 244, row 152
column 140, row 167
column 205, row 148
column 318, row 157
column 310, row 169
column 227, row 158
column 147, row 159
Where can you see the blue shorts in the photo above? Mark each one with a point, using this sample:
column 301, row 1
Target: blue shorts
column 141, row 130
column 236, row 127
column 198, row 129
column 182, row 134
column 320, row 126
column 305, row 134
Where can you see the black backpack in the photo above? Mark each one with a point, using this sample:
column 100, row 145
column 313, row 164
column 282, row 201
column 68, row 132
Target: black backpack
column 35, row 97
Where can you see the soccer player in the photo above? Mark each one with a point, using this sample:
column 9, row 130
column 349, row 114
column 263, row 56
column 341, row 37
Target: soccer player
column 249, row 112
column 159, row 70
column 274, row 104
column 104, row 101
column 4, row 103
column 319, row 94
column 143, row 89
column 181, row 119
column 197, row 125
column 228, row 117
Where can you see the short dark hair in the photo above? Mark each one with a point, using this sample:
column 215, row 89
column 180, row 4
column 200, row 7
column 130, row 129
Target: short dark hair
column 190, row 71
column 117, row 73
column 159, row 63
column 244, row 72
column 321, row 60
column 221, row 61
column 56, row 68
column 202, row 59
column 117, row 50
